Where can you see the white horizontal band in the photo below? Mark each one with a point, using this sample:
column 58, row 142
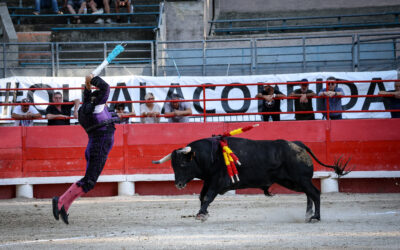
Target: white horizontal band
column 170, row 177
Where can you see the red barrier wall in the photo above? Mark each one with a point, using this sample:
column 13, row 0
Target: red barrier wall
column 372, row 144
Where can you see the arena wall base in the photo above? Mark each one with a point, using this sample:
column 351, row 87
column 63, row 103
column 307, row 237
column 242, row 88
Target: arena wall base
column 24, row 191
column 329, row 185
column 126, row 188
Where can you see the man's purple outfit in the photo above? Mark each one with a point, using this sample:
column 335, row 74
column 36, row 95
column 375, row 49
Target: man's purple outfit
column 98, row 123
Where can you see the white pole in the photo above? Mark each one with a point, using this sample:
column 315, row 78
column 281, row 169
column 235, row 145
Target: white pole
column 329, row 185
column 126, row 188
column 24, row 191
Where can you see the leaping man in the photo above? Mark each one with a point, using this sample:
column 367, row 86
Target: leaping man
column 98, row 123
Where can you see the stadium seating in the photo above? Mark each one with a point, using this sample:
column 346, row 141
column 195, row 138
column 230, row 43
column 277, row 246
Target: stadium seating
column 294, row 24
column 141, row 22
column 49, row 28
column 306, row 20
column 278, row 41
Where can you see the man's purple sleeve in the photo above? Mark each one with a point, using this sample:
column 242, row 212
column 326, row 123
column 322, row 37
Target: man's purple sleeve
column 104, row 90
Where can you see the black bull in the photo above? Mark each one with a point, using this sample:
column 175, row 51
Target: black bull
column 263, row 163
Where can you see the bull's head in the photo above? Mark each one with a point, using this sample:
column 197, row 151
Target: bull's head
column 183, row 164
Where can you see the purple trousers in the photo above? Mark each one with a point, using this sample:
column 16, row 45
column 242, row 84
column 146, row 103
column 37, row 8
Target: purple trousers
column 96, row 154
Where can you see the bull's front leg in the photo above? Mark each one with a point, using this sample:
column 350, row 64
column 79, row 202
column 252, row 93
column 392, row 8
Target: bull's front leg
column 206, row 200
column 203, row 192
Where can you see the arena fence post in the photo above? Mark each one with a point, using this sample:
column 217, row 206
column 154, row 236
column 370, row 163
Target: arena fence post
column 329, row 185
column 24, row 191
column 126, row 188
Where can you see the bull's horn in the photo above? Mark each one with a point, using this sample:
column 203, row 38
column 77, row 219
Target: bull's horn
column 184, row 150
column 166, row 158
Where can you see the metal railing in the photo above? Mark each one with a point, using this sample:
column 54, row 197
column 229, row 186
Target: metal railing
column 294, row 54
column 252, row 56
column 57, row 56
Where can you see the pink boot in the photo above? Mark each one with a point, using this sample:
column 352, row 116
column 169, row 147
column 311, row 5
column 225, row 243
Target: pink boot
column 73, row 192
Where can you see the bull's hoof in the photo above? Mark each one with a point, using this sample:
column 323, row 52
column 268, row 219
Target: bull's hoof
column 309, row 215
column 314, row 219
column 202, row 217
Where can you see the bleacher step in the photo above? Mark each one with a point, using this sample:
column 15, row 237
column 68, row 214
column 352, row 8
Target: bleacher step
column 34, row 36
column 33, row 52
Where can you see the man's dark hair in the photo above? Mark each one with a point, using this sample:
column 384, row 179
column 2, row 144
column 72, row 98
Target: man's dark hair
column 176, row 96
column 120, row 105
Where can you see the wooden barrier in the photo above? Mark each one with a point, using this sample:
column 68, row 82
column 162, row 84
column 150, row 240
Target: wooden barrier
column 54, row 155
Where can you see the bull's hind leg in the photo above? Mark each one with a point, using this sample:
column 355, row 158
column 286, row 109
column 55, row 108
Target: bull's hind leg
column 309, row 210
column 313, row 195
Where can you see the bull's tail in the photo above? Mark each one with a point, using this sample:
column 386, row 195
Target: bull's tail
column 339, row 166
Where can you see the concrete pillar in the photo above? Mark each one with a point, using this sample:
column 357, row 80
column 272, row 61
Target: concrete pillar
column 24, row 191
column 126, row 188
column 329, row 185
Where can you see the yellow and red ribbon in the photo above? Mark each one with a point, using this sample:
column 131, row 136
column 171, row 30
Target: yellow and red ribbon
column 239, row 130
column 229, row 157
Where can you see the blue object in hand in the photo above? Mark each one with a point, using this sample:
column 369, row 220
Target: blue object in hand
column 116, row 51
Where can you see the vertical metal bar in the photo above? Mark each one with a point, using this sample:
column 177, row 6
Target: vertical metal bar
column 394, row 53
column 204, row 57
column 251, row 56
column 4, row 60
column 156, row 58
column 57, row 59
column 353, row 65
column 52, row 60
column 304, row 53
column 358, row 52
column 204, row 104
column 152, row 58
column 255, row 56
column 105, row 55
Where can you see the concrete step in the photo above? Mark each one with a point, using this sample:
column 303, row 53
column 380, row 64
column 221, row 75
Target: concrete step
column 328, row 12
column 300, row 13
column 48, row 27
column 309, row 22
column 33, row 53
column 87, row 19
column 106, row 35
column 35, row 37
column 26, row 3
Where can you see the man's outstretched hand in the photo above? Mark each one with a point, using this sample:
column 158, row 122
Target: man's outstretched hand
column 88, row 79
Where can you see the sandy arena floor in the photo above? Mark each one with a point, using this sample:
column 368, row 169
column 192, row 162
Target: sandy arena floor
column 370, row 221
